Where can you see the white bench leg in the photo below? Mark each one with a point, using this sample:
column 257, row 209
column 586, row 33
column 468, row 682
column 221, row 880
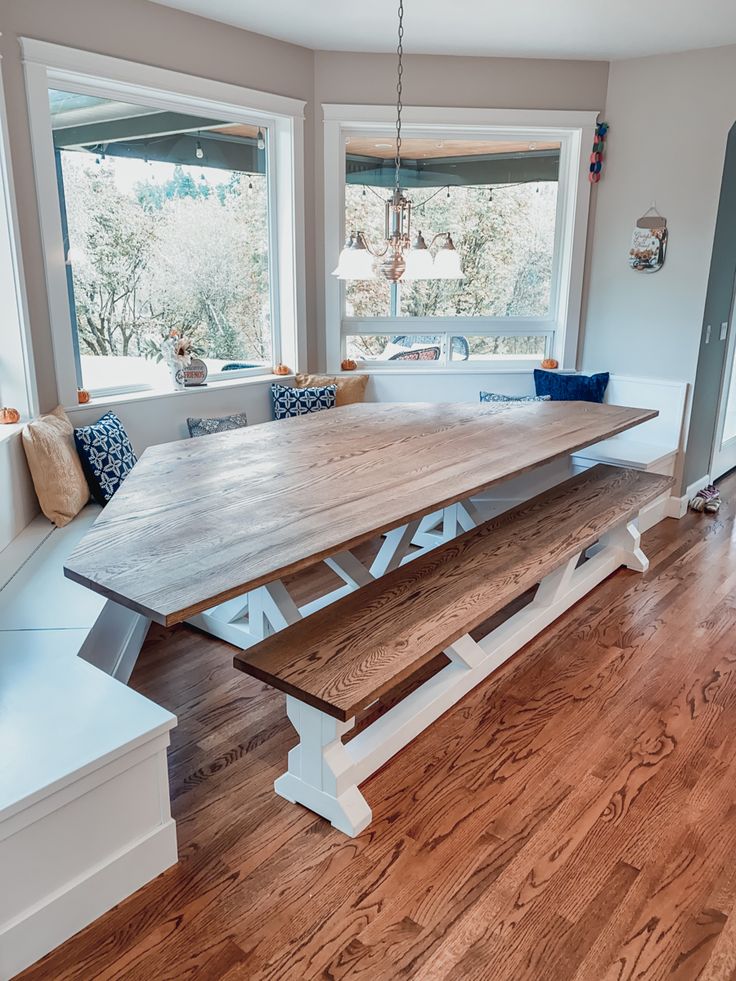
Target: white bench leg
column 320, row 774
column 627, row 539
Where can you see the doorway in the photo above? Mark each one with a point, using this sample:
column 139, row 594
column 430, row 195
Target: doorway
column 724, row 443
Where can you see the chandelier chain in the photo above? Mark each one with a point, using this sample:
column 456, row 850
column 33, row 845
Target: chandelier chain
column 399, row 88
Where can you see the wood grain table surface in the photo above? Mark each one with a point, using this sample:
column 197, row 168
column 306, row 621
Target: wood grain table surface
column 202, row 520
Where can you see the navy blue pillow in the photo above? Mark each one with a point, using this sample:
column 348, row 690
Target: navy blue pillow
column 571, row 388
column 106, row 454
column 289, row 402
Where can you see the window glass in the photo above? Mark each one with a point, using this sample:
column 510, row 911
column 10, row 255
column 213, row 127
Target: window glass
column 492, row 347
column 394, row 347
column 166, row 227
column 497, row 199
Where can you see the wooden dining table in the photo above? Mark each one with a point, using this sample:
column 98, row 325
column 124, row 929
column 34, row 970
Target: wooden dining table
column 204, row 530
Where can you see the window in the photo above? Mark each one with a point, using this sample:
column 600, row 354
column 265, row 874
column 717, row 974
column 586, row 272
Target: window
column 513, row 199
column 166, row 227
column 164, row 210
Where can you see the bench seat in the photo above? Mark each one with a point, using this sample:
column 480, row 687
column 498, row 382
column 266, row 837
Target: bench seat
column 373, row 643
column 344, row 657
column 41, row 610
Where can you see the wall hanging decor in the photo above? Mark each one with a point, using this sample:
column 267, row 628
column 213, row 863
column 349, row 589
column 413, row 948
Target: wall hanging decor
column 596, row 156
column 649, row 242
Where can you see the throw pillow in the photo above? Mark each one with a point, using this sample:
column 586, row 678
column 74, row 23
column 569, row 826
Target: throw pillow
column 106, row 454
column 350, row 388
column 496, row 397
column 288, row 402
column 57, row 474
column 571, row 388
column 217, row 424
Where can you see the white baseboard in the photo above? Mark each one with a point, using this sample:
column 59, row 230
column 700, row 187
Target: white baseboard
column 66, row 912
column 677, row 506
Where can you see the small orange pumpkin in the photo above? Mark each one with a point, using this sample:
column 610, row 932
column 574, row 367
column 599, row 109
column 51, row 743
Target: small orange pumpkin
column 349, row 365
column 82, row 396
column 281, row 369
column 9, row 416
column 550, row 364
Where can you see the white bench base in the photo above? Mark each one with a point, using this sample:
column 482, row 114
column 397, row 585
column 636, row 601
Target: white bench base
column 324, row 774
column 84, row 799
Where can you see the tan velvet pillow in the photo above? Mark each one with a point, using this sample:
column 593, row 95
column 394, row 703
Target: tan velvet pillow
column 61, row 486
column 350, row 388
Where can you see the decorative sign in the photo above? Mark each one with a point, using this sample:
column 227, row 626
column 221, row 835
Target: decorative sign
column 194, row 374
column 649, row 243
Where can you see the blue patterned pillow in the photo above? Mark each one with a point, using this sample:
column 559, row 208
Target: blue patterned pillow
column 106, row 454
column 495, row 397
column 216, row 424
column 571, row 388
column 289, row 402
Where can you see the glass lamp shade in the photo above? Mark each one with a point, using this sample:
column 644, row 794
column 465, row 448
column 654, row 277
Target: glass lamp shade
column 419, row 264
column 447, row 263
column 355, row 262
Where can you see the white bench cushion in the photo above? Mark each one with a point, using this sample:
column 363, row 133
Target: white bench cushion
column 39, row 596
column 625, row 451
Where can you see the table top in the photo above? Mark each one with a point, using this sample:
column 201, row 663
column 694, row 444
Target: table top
column 202, row 520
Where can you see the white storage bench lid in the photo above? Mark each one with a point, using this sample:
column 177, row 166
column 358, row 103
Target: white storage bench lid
column 61, row 718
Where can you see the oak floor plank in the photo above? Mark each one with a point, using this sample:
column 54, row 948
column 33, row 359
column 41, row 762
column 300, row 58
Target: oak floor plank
column 572, row 818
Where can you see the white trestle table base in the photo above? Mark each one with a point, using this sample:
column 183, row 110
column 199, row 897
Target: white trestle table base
column 246, row 620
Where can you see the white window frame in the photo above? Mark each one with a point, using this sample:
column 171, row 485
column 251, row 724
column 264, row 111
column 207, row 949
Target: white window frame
column 573, row 130
column 17, row 375
column 55, row 66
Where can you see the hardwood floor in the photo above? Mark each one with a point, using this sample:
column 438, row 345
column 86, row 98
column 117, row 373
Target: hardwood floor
column 572, row 818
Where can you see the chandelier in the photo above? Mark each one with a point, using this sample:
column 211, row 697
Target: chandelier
column 400, row 258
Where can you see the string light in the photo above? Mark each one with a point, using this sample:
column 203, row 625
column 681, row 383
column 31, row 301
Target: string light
column 261, row 140
column 199, row 152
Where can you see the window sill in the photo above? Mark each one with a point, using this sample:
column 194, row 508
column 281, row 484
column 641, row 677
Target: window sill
column 446, row 370
column 111, row 401
column 9, row 430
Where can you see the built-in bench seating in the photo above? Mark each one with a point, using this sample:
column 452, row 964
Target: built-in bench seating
column 84, row 793
column 41, row 610
column 84, row 798
column 340, row 660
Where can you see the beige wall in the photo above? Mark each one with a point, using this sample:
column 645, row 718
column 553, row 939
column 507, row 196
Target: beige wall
column 669, row 117
column 154, row 35
column 435, row 80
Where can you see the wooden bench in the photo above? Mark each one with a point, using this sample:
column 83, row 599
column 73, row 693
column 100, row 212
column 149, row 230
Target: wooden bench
column 340, row 660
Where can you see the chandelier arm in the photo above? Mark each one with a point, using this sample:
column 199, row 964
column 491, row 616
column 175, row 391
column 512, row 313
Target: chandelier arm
column 373, row 251
column 438, row 235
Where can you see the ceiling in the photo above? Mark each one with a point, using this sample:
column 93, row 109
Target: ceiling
column 532, row 28
column 383, row 148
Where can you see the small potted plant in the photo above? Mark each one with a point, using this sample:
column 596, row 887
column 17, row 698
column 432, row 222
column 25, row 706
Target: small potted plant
column 176, row 350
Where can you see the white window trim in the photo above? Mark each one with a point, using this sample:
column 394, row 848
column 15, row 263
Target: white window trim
column 574, row 130
column 48, row 64
column 18, row 384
